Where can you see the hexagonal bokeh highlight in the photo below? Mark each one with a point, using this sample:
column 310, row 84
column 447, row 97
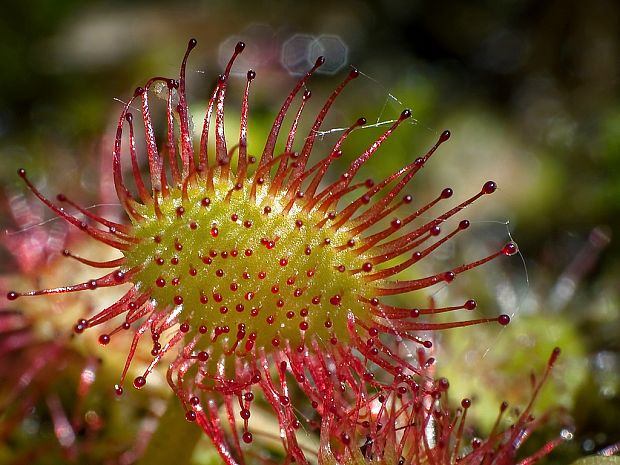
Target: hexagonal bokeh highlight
column 301, row 51
column 296, row 52
column 335, row 51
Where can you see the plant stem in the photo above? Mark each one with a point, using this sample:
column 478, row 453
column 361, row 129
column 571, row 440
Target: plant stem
column 174, row 439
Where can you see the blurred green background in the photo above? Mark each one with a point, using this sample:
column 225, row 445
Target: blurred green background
column 529, row 89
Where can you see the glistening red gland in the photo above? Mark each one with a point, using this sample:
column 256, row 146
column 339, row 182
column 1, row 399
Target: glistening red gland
column 190, row 286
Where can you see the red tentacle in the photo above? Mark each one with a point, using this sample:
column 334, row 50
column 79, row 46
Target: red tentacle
column 277, row 123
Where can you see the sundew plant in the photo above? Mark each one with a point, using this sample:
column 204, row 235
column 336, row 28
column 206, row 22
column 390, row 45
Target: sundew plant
column 265, row 280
